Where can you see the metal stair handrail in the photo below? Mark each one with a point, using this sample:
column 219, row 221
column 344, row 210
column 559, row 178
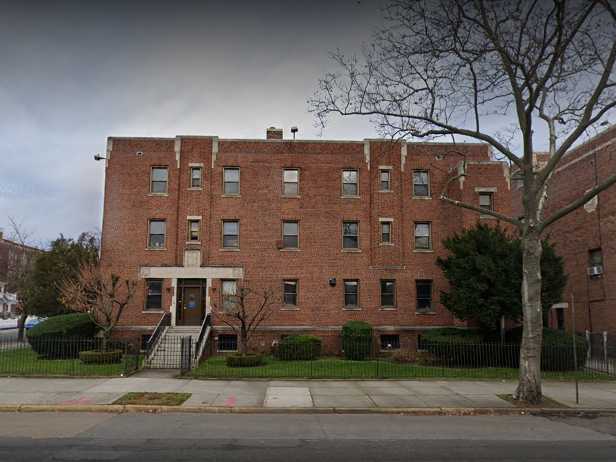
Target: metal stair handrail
column 204, row 332
column 165, row 321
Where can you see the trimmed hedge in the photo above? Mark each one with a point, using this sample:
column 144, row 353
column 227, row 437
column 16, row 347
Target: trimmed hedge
column 101, row 357
column 357, row 340
column 244, row 361
column 56, row 336
column 298, row 348
column 463, row 348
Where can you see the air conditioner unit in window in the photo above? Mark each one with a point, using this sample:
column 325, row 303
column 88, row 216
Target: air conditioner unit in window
column 595, row 271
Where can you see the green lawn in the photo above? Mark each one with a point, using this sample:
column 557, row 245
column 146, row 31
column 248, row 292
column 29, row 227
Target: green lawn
column 336, row 368
column 24, row 361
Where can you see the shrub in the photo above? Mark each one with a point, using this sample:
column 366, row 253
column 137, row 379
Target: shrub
column 451, row 347
column 298, row 348
column 403, row 356
column 357, row 340
column 244, row 361
column 101, row 357
column 62, row 336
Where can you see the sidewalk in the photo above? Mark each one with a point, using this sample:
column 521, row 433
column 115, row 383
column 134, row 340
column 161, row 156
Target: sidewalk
column 313, row 394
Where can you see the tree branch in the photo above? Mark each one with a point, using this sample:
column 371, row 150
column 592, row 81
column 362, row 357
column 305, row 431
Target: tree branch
column 578, row 202
column 491, row 213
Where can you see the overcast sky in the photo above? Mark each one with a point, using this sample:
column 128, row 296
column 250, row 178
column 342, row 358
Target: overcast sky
column 74, row 73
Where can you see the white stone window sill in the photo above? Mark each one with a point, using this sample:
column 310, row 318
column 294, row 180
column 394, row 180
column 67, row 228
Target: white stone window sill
column 352, row 308
column 195, row 189
column 284, row 196
column 290, row 249
column 229, row 250
column 423, row 250
column 350, row 197
column 291, row 308
column 425, row 198
column 153, row 311
column 425, row 313
column 157, row 249
column 386, row 244
column 385, row 191
column 158, row 194
column 388, row 308
column 230, row 195
column 193, row 242
column 351, row 250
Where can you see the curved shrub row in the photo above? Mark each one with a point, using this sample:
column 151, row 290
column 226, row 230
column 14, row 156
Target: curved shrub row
column 298, row 347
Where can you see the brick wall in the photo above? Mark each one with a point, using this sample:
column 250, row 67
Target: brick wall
column 319, row 209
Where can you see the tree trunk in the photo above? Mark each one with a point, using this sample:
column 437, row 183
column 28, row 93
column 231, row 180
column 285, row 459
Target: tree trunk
column 243, row 346
column 21, row 326
column 529, row 386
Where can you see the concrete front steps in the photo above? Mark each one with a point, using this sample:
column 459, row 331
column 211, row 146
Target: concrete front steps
column 167, row 354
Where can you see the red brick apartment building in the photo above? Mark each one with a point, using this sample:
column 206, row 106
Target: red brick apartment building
column 586, row 238
column 339, row 230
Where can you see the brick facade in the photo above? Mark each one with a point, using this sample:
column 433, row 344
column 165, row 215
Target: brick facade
column 320, row 210
column 589, row 228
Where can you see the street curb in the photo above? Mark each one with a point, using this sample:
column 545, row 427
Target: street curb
column 435, row 411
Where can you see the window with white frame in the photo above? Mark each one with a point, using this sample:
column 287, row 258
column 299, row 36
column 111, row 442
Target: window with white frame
column 231, row 180
column 290, row 182
column 157, row 234
column 350, row 183
column 350, row 235
column 423, row 236
column 421, row 183
column 196, row 177
column 159, row 180
column 229, row 294
column 290, row 234
column 384, row 180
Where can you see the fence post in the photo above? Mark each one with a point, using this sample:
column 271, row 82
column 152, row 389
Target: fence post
column 588, row 346
column 607, row 367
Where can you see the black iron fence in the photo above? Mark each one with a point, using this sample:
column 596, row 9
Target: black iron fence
column 601, row 353
column 68, row 357
column 446, row 360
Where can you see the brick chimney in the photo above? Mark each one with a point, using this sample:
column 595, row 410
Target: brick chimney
column 273, row 133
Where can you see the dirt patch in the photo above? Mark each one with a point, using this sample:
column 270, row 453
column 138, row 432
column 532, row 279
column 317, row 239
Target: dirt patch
column 154, row 399
column 546, row 403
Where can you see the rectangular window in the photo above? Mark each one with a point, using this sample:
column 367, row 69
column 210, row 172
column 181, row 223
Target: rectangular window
column 423, row 238
column 485, row 201
column 390, row 342
column 351, row 293
column 350, row 235
column 229, row 293
column 231, row 234
column 154, row 294
column 421, row 183
column 595, row 257
column 385, row 180
column 157, row 233
column 194, row 230
column 388, row 292
column 386, row 232
column 290, row 234
column 290, row 292
column 231, row 181
column 290, row 182
column 350, row 185
column 159, row 179
column 423, row 289
column 227, row 342
column 196, row 177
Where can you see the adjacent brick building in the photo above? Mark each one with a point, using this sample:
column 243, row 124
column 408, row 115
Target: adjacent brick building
column 339, row 230
column 586, row 238
column 13, row 256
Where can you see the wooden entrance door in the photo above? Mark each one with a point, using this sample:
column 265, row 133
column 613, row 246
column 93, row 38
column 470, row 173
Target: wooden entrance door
column 191, row 304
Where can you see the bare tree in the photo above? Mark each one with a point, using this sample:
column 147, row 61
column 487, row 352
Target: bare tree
column 19, row 269
column 468, row 68
column 103, row 296
column 245, row 311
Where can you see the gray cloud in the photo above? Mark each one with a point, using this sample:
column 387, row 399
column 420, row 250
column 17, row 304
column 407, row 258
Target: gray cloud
column 74, row 73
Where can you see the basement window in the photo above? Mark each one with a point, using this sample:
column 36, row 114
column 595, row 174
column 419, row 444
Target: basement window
column 227, row 342
column 390, row 342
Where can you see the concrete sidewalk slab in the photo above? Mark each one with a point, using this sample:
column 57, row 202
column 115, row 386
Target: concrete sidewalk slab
column 286, row 397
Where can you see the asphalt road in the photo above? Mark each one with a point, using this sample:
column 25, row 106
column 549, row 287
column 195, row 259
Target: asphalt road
column 288, row 438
